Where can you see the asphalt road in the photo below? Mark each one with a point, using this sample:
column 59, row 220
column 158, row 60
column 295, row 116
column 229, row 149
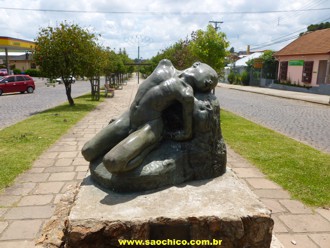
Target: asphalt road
column 15, row 107
column 303, row 121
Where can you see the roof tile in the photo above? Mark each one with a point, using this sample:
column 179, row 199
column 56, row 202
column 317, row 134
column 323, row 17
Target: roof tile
column 317, row 42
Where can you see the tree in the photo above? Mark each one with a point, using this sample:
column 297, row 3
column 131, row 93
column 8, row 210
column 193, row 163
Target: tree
column 269, row 64
column 210, row 47
column 116, row 65
column 314, row 27
column 64, row 51
column 205, row 46
column 179, row 53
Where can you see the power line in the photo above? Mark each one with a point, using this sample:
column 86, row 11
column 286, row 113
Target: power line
column 282, row 38
column 278, row 39
column 308, row 5
column 164, row 13
column 274, row 43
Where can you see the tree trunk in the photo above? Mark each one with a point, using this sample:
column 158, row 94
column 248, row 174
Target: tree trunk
column 92, row 88
column 68, row 93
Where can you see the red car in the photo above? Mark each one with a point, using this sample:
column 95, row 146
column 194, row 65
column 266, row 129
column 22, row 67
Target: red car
column 3, row 72
column 16, row 83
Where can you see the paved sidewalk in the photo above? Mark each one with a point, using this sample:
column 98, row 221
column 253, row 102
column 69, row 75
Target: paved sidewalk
column 314, row 98
column 295, row 224
column 31, row 201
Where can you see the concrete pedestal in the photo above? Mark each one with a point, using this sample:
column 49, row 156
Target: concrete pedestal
column 219, row 209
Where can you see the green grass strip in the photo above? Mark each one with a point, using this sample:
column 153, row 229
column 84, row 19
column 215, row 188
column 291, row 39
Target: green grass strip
column 298, row 168
column 24, row 142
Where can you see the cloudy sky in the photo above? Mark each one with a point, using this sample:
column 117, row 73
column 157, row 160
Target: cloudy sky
column 157, row 24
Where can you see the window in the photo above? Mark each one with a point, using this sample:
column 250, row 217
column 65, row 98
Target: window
column 307, row 72
column 20, row 78
column 283, row 70
column 11, row 79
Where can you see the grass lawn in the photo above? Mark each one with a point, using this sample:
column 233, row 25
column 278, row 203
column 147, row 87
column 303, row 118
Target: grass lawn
column 298, row 168
column 23, row 142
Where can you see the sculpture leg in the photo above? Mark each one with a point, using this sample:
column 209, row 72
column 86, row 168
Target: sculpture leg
column 129, row 153
column 107, row 138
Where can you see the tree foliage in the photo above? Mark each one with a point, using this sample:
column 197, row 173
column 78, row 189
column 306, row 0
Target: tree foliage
column 210, row 47
column 118, row 67
column 206, row 46
column 66, row 50
column 180, row 54
column 314, row 27
column 116, row 63
column 269, row 64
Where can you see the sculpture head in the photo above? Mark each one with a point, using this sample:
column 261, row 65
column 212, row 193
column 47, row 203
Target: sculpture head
column 201, row 77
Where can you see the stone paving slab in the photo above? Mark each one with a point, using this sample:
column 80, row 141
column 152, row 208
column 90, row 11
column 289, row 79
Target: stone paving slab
column 305, row 223
column 274, row 205
column 18, row 243
column 22, row 229
column 296, row 207
column 322, row 239
column 296, row 240
column 29, row 212
column 35, row 200
column 262, row 183
column 248, row 172
column 325, row 213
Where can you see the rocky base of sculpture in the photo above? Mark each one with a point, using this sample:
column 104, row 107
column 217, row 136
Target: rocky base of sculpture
column 54, row 231
column 174, row 162
column 221, row 209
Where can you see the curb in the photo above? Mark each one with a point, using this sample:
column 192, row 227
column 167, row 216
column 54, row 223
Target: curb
column 307, row 97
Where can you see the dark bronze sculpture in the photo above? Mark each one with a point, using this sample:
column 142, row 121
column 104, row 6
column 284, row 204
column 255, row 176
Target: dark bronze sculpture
column 170, row 134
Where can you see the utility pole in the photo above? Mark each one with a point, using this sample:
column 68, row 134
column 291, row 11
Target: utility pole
column 140, row 41
column 139, row 62
column 216, row 27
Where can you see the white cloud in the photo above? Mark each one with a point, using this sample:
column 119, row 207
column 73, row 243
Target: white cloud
column 164, row 21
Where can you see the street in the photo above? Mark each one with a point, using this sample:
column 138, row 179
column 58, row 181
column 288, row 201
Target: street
column 15, row 107
column 303, row 121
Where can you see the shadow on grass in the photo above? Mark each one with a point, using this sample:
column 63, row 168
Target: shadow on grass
column 80, row 107
column 82, row 104
column 67, row 108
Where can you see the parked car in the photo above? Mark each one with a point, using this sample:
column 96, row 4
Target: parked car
column 3, row 72
column 16, row 83
column 60, row 81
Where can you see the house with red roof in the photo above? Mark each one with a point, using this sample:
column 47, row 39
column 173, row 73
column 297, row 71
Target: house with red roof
column 306, row 61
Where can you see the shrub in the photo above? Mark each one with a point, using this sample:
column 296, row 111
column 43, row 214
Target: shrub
column 245, row 78
column 17, row 71
column 33, row 73
column 231, row 77
column 238, row 79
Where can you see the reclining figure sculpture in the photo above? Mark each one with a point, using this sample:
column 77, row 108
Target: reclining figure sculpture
column 170, row 134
